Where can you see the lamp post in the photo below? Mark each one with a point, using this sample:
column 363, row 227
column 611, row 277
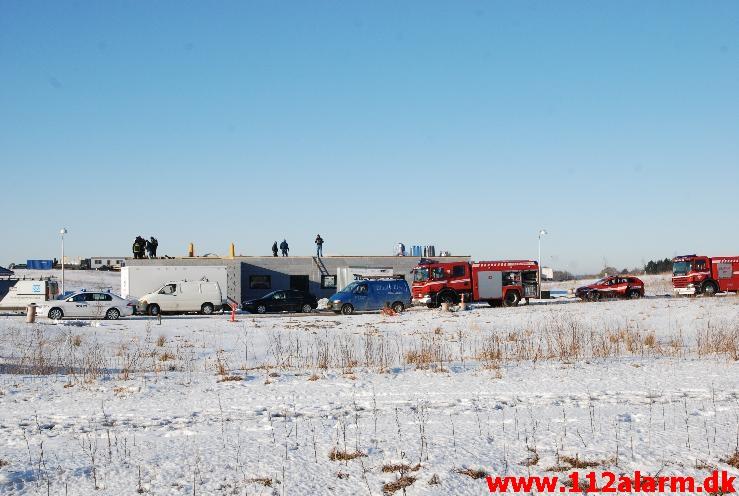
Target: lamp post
column 63, row 231
column 542, row 232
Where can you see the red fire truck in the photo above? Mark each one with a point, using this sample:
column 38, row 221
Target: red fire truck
column 503, row 282
column 693, row 274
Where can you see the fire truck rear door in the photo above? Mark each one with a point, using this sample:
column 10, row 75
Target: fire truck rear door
column 489, row 285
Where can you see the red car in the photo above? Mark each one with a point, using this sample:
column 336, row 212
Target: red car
column 612, row 287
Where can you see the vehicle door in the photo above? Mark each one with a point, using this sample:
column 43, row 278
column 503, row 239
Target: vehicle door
column 77, row 305
column 98, row 305
column 168, row 298
column 360, row 297
column 293, row 301
column 278, row 302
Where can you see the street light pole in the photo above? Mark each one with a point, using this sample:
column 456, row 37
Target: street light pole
column 63, row 231
column 542, row 232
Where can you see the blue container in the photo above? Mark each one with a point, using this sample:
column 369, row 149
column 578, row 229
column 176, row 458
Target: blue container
column 40, row 264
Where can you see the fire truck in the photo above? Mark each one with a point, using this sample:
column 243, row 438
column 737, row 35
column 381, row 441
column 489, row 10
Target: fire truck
column 693, row 274
column 503, row 282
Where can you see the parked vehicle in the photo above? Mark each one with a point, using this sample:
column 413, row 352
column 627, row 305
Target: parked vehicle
column 90, row 305
column 503, row 282
column 365, row 295
column 182, row 297
column 17, row 294
column 693, row 274
column 289, row 300
column 612, row 287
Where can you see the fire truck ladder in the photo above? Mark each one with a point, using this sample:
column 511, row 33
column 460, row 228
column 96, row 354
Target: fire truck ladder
column 321, row 267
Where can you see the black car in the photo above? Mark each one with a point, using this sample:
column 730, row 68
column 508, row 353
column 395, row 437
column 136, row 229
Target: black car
column 287, row 300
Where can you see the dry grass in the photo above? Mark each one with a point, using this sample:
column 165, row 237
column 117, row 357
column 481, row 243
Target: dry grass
column 575, row 462
column 166, row 356
column 161, row 340
column 732, row 460
column 4, row 463
column 434, row 480
column 472, row 473
column 314, row 377
column 264, row 481
column 337, row 455
column 230, row 378
column 400, row 467
column 398, row 484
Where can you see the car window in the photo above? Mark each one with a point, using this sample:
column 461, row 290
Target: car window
column 168, row 289
column 278, row 296
column 79, row 297
column 437, row 273
column 458, row 271
column 361, row 289
column 101, row 297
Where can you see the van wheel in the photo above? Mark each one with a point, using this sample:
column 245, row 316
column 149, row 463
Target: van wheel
column 154, row 310
column 398, row 307
column 207, row 309
column 56, row 314
column 511, row 299
column 347, row 309
column 112, row 314
column 710, row 289
column 307, row 308
column 261, row 309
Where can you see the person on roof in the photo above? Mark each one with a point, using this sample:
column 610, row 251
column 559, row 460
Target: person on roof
column 319, row 245
column 284, row 247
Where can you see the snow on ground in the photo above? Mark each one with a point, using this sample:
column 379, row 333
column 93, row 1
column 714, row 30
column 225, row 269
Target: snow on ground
column 200, row 405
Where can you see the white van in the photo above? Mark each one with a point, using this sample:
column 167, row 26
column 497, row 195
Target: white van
column 183, row 296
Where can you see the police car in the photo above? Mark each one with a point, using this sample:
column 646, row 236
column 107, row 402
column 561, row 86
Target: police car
column 88, row 304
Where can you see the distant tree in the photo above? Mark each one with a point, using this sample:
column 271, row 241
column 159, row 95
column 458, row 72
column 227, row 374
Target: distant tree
column 563, row 275
column 658, row 266
column 608, row 271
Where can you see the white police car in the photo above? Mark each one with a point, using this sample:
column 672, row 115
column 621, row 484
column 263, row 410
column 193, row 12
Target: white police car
column 88, row 304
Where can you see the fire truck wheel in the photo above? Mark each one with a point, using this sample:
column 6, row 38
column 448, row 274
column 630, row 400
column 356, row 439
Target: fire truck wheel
column 710, row 289
column 448, row 297
column 511, row 299
column 398, row 307
column 634, row 294
column 347, row 309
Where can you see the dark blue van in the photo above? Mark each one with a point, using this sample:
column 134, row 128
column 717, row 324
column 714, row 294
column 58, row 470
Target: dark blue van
column 366, row 295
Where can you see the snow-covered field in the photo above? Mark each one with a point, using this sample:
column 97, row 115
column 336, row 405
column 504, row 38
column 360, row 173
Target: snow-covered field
column 326, row 404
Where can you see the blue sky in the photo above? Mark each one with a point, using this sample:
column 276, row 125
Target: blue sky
column 467, row 125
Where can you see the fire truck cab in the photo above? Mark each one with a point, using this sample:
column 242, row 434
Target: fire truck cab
column 693, row 274
column 504, row 282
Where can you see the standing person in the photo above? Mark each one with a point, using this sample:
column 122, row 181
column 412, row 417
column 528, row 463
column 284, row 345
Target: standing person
column 147, row 243
column 274, row 249
column 319, row 245
column 136, row 247
column 154, row 246
column 284, row 247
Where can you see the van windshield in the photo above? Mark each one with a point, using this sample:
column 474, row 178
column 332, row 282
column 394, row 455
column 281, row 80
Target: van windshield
column 349, row 288
column 680, row 268
column 420, row 275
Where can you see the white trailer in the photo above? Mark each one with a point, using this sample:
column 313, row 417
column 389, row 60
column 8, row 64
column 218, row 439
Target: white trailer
column 138, row 280
column 346, row 275
column 16, row 294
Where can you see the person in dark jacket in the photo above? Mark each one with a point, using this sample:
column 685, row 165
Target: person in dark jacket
column 284, row 247
column 137, row 248
column 154, row 245
column 319, row 245
column 274, row 249
column 148, row 248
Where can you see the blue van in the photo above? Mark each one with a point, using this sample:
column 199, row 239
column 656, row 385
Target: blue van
column 367, row 295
